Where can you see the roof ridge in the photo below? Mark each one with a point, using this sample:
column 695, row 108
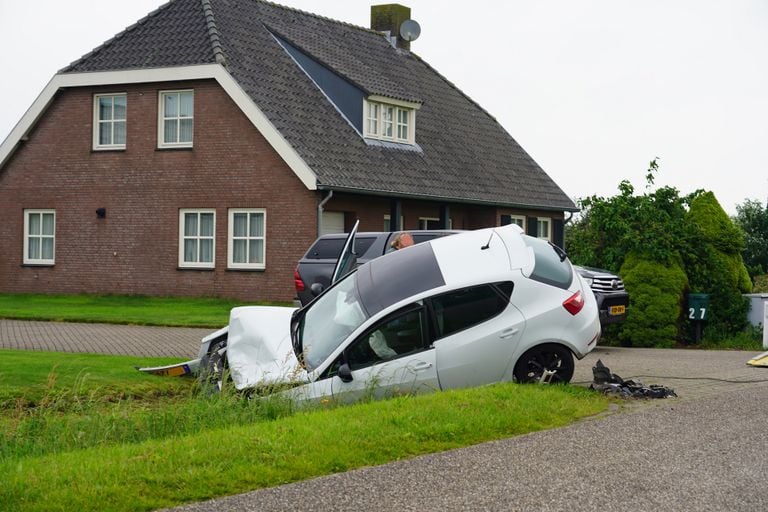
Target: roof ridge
column 318, row 16
column 117, row 36
column 214, row 34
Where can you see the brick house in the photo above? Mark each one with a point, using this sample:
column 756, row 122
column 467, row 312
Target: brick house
column 203, row 149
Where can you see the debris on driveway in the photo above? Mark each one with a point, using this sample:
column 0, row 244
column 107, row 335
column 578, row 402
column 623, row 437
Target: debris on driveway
column 611, row 384
column 760, row 360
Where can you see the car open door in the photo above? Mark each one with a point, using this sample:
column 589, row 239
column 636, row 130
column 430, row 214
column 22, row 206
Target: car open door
column 347, row 259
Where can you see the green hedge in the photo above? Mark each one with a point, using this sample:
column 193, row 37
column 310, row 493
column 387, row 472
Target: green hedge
column 655, row 309
column 715, row 266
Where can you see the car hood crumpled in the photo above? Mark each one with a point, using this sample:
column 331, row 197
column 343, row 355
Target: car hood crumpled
column 259, row 348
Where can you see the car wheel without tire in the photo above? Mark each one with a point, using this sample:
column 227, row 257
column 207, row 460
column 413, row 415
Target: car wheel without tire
column 549, row 363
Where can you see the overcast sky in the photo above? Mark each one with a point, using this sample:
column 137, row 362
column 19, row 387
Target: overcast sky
column 592, row 89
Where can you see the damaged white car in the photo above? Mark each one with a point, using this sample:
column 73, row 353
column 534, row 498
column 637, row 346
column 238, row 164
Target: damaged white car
column 464, row 310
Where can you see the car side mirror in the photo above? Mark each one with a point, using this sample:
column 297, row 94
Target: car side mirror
column 316, row 289
column 344, row 373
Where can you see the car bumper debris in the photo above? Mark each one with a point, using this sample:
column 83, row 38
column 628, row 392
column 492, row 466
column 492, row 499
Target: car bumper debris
column 611, row 384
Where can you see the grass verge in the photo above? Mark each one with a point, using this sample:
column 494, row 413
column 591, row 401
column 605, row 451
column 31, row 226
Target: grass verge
column 119, row 309
column 174, row 447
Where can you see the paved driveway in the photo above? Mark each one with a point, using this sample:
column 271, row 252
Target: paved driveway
column 101, row 338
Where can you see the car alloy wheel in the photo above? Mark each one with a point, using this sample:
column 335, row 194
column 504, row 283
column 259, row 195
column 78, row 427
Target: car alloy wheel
column 548, row 363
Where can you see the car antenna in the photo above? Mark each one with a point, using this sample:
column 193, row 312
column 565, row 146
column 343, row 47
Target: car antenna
column 488, row 244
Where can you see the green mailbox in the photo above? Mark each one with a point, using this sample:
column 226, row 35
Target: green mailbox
column 697, row 306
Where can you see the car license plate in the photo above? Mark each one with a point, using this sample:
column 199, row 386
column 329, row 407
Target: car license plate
column 617, row 310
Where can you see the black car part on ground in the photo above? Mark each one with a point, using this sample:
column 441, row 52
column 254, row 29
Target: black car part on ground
column 611, row 384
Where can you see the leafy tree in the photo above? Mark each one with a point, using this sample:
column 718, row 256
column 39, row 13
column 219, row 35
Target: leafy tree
column 753, row 220
column 652, row 224
column 651, row 239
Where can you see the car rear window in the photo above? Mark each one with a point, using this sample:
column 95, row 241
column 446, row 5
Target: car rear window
column 330, row 248
column 550, row 267
column 461, row 309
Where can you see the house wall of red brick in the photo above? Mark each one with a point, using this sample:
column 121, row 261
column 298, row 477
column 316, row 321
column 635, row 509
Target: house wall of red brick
column 135, row 248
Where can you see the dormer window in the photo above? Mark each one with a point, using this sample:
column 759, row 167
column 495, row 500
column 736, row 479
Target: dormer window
column 390, row 122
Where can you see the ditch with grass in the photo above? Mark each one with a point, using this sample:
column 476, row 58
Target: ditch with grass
column 88, row 432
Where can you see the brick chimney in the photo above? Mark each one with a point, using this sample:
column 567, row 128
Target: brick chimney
column 388, row 18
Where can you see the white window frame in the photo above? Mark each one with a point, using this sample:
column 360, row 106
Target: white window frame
column 516, row 219
column 423, row 222
column 388, row 222
column 548, row 234
column 27, row 259
column 98, row 122
column 161, row 118
column 183, row 237
column 381, row 117
column 231, row 239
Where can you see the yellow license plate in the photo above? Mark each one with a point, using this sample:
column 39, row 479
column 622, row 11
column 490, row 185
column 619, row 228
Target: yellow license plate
column 617, row 310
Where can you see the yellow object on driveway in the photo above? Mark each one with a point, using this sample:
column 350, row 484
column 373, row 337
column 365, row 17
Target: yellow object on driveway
column 759, row 360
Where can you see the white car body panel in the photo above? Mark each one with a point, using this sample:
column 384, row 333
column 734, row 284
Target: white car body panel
column 259, row 347
column 415, row 373
column 481, row 354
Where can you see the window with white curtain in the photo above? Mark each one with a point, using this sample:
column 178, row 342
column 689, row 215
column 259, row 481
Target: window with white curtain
column 197, row 238
column 176, row 119
column 389, row 122
column 109, row 121
column 39, row 237
column 246, row 240
column 544, row 230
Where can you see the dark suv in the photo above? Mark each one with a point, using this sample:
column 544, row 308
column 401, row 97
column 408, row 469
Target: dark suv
column 317, row 265
column 612, row 299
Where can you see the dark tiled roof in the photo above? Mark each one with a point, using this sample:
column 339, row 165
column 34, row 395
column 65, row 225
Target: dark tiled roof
column 176, row 34
column 464, row 155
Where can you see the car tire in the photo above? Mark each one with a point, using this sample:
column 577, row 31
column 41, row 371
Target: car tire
column 215, row 368
column 536, row 364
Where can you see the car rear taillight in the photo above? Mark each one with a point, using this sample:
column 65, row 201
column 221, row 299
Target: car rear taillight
column 574, row 303
column 297, row 281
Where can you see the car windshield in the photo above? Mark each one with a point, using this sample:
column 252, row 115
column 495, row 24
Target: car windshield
column 329, row 320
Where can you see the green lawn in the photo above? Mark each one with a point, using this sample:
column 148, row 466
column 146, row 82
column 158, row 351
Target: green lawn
column 119, row 309
column 70, row 441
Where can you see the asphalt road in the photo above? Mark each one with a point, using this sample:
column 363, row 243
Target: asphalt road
column 704, row 451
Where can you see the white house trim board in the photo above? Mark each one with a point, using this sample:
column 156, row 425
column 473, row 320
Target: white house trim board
column 204, row 71
column 393, row 101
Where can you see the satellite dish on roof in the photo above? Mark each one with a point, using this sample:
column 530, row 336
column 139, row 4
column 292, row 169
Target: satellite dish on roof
column 410, row 30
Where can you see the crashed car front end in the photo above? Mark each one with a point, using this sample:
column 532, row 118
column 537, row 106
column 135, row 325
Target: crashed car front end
column 259, row 347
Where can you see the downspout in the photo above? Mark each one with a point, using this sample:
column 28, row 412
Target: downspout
column 320, row 212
